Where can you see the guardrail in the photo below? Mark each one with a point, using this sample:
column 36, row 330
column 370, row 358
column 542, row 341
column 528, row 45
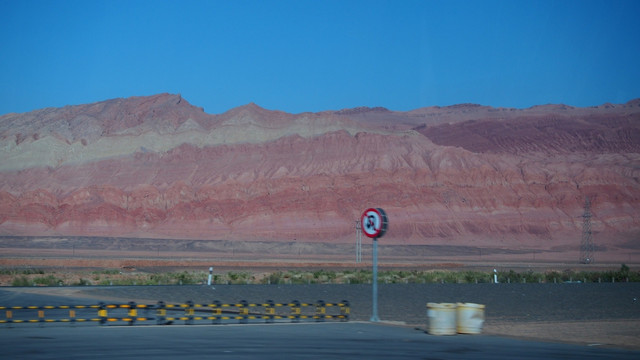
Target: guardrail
column 162, row 313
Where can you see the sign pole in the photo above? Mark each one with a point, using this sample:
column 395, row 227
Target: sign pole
column 374, row 314
column 374, row 225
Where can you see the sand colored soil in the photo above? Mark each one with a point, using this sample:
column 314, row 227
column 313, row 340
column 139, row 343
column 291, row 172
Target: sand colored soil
column 616, row 333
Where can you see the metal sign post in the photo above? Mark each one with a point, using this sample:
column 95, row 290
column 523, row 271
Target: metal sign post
column 374, row 312
column 374, row 225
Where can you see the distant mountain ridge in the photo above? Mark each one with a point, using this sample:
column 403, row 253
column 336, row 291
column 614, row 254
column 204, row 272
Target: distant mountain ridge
column 157, row 166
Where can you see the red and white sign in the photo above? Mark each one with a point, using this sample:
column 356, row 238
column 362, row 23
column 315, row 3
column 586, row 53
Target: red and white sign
column 374, row 222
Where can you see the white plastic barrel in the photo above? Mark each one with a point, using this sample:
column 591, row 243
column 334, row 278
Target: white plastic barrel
column 470, row 318
column 442, row 318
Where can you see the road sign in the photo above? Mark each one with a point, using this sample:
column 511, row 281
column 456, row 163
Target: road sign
column 374, row 222
column 374, row 225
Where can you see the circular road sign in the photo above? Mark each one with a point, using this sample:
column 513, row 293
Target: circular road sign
column 374, row 222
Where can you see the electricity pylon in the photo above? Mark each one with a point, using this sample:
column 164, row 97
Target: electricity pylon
column 358, row 242
column 586, row 246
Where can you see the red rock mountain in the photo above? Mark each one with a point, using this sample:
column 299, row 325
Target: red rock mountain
column 463, row 175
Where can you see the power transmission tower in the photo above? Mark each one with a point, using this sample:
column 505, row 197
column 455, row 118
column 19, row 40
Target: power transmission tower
column 358, row 242
column 586, row 246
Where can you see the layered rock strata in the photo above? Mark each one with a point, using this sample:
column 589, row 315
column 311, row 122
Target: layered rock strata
column 469, row 175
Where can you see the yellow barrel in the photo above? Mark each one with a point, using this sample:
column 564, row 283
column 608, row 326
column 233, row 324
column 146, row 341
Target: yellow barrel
column 442, row 318
column 470, row 318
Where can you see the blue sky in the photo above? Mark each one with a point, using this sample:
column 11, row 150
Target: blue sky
column 302, row 55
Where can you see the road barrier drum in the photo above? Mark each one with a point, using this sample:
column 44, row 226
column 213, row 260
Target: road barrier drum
column 470, row 318
column 442, row 318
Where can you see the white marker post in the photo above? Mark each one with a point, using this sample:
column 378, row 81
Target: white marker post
column 374, row 225
column 210, row 275
column 495, row 276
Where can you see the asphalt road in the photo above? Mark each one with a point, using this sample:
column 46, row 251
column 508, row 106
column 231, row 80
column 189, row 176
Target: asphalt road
column 353, row 340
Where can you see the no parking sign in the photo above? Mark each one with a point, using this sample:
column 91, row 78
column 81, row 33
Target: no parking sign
column 374, row 222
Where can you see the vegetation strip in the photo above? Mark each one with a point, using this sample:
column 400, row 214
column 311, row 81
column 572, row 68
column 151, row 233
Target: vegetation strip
column 39, row 277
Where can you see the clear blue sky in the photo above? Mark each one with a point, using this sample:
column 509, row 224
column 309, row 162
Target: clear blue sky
column 302, row 55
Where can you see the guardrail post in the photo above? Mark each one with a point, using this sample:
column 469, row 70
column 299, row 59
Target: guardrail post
column 9, row 316
column 132, row 313
column 102, row 313
column 189, row 311
column 72, row 317
column 161, row 313
column 216, row 312
column 295, row 311
column 270, row 311
column 321, row 310
column 345, row 310
column 41, row 315
column 243, row 311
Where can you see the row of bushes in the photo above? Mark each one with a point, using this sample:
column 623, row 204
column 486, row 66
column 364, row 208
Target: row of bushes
column 459, row 277
column 35, row 277
column 624, row 274
column 115, row 277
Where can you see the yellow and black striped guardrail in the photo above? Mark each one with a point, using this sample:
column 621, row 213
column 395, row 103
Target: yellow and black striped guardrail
column 162, row 313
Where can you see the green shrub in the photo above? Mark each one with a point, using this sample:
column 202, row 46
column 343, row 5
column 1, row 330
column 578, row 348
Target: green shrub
column 330, row 275
column 160, row 279
column 238, row 277
column 48, row 280
column 274, row 278
column 472, row 277
column 21, row 281
column 83, row 282
column 358, row 277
